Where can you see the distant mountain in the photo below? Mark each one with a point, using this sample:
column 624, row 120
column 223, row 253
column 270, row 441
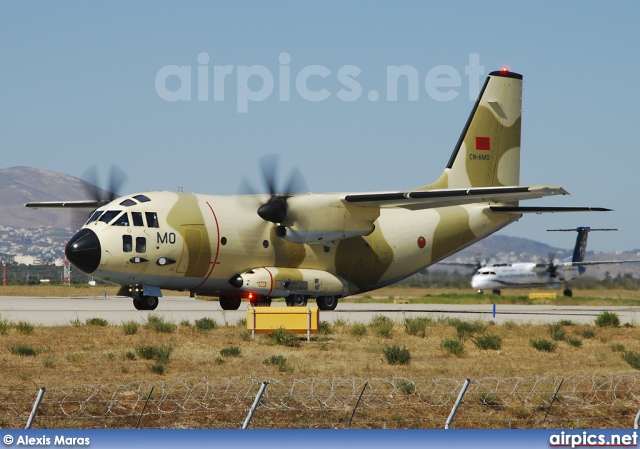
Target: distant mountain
column 20, row 185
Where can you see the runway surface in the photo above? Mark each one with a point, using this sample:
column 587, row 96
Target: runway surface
column 116, row 310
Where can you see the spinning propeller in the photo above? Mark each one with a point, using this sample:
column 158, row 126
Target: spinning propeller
column 117, row 178
column 276, row 208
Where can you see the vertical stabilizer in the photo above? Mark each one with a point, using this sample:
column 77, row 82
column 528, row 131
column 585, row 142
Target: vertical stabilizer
column 488, row 151
column 580, row 249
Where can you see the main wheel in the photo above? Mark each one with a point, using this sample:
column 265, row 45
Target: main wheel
column 296, row 300
column 327, row 302
column 230, row 302
column 137, row 303
column 567, row 292
column 496, row 291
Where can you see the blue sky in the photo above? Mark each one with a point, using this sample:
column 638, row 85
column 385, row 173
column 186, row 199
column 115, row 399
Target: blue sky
column 78, row 86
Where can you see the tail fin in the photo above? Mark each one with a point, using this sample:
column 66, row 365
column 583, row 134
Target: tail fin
column 581, row 241
column 488, row 151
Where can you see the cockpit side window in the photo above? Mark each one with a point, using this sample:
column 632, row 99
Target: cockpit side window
column 109, row 215
column 122, row 220
column 128, row 202
column 152, row 219
column 137, row 218
column 94, row 216
column 142, row 198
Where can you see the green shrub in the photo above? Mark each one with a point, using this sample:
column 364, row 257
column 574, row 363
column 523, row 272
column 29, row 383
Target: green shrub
column 382, row 326
column 453, row 346
column 488, row 341
column 284, row 337
column 242, row 322
column 25, row 328
column 556, row 332
column 49, row 363
column 4, row 326
column 324, row 328
column 22, row 349
column 617, row 347
column 466, row 329
column 588, row 333
column 280, row 362
column 205, row 324
column 96, row 322
column 158, row 324
column 231, row 351
column 159, row 353
column 566, row 323
column 130, row 355
column 158, row 367
column 358, row 330
column 573, row 341
column 417, row 325
column 406, row 386
column 607, row 319
column 397, row 356
column 130, row 327
column 543, row 345
column 632, row 358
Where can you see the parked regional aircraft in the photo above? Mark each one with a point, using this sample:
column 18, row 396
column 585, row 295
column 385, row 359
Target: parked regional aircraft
column 532, row 275
column 319, row 246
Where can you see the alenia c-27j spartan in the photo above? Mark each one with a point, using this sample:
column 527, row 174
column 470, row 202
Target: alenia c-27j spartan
column 313, row 246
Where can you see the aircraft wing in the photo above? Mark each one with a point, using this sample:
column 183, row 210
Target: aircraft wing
column 601, row 262
column 81, row 204
column 427, row 199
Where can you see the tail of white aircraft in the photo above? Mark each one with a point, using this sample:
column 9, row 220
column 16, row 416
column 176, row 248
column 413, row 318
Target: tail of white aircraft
column 488, row 151
column 580, row 249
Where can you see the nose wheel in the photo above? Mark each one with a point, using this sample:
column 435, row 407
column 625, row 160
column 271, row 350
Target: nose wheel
column 142, row 302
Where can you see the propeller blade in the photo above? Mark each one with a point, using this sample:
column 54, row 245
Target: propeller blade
column 269, row 169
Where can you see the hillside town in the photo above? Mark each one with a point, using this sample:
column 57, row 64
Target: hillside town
column 42, row 246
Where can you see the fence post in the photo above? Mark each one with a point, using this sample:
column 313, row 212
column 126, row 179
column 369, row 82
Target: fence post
column 635, row 422
column 455, row 406
column 357, row 403
column 34, row 410
column 144, row 407
column 254, row 406
column 553, row 398
column 253, row 323
column 308, row 324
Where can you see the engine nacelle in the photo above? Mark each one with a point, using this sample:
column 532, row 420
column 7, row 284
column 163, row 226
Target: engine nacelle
column 282, row 282
column 323, row 219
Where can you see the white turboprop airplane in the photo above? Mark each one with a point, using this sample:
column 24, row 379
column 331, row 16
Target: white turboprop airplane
column 318, row 247
column 531, row 275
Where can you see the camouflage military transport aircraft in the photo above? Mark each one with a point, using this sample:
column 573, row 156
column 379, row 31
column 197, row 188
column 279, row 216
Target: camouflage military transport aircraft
column 313, row 246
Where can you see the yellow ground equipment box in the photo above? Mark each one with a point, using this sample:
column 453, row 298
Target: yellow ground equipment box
column 265, row 320
column 542, row 296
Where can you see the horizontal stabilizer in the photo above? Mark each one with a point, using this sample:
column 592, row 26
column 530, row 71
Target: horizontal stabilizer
column 544, row 210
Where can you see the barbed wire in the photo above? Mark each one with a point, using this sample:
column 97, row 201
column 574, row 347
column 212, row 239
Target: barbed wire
column 197, row 402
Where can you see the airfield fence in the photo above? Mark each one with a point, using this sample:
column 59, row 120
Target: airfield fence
column 199, row 402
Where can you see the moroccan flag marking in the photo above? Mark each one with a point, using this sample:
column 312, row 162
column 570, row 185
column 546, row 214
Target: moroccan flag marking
column 483, row 143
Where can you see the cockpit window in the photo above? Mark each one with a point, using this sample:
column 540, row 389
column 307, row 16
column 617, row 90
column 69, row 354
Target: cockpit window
column 128, row 202
column 122, row 220
column 142, row 198
column 137, row 218
column 152, row 219
column 94, row 217
column 109, row 215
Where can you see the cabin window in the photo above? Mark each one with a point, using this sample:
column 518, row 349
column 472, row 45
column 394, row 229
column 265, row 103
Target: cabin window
column 137, row 218
column 127, row 243
column 122, row 220
column 141, row 244
column 152, row 219
column 109, row 215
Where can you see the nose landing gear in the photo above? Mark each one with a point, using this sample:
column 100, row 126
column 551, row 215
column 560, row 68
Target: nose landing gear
column 142, row 302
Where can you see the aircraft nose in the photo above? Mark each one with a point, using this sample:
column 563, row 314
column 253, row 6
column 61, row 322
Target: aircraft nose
column 83, row 250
